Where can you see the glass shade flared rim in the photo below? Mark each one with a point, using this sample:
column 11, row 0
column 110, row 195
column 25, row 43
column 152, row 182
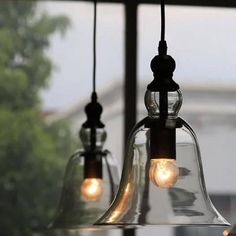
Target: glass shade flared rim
column 134, row 225
column 82, row 228
column 100, row 227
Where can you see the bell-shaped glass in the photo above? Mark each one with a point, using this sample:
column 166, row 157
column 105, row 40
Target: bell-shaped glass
column 83, row 200
column 162, row 191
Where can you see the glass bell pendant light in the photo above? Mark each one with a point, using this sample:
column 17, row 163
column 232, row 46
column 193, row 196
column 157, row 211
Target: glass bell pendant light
column 91, row 176
column 162, row 180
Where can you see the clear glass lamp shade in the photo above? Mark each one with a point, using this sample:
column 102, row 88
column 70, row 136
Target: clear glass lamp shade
column 77, row 208
column 140, row 202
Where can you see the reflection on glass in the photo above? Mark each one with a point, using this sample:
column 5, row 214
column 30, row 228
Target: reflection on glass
column 121, row 208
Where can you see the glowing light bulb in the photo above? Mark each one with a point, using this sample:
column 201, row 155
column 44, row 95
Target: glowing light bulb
column 226, row 232
column 163, row 172
column 92, row 189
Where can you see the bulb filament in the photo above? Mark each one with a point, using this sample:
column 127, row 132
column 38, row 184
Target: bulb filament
column 163, row 172
column 92, row 189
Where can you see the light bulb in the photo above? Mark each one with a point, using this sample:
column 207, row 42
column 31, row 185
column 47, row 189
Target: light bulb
column 226, row 232
column 163, row 172
column 91, row 189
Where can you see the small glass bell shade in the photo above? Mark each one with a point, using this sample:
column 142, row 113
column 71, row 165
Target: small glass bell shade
column 84, row 199
column 144, row 198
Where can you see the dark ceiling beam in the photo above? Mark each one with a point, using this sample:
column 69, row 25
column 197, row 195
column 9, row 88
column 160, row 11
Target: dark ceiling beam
column 130, row 78
column 205, row 3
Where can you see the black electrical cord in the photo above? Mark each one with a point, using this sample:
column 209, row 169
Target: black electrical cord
column 162, row 20
column 94, row 94
column 162, row 43
column 94, row 46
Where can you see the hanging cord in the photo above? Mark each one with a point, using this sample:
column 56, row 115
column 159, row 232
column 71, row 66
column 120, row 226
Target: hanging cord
column 162, row 20
column 94, row 94
column 162, row 43
column 93, row 109
column 94, row 46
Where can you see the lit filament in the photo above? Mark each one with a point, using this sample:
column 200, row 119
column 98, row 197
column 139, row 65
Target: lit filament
column 163, row 172
column 226, row 232
column 91, row 189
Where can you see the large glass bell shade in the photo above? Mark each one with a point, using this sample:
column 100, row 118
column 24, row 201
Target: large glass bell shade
column 84, row 200
column 141, row 201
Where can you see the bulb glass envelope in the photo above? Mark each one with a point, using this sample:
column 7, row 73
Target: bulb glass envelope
column 230, row 231
column 139, row 201
column 74, row 210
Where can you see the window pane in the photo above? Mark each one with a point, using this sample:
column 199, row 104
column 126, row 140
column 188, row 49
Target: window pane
column 49, row 45
column 201, row 41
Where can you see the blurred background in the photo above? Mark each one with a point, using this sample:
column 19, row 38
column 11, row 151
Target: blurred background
column 46, row 80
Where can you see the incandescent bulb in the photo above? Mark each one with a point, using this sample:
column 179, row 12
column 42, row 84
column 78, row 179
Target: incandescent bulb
column 163, row 172
column 91, row 189
column 226, row 232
